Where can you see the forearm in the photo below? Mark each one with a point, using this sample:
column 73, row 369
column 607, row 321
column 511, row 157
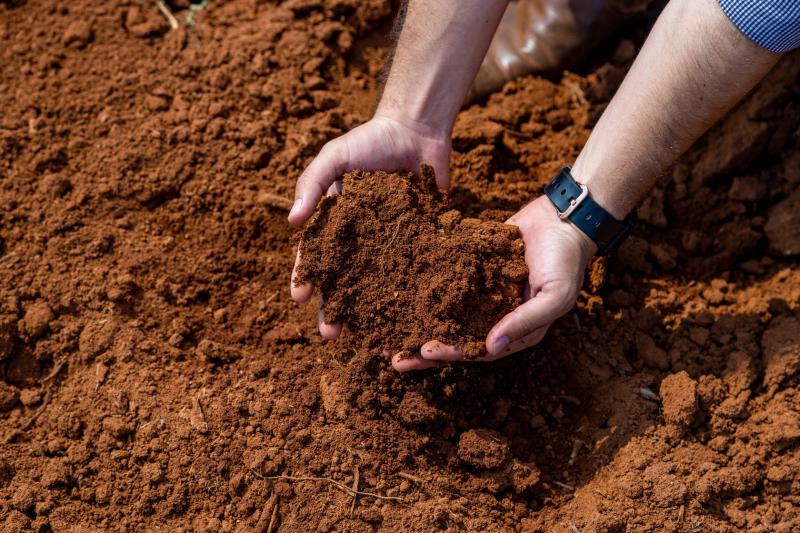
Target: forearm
column 438, row 53
column 694, row 66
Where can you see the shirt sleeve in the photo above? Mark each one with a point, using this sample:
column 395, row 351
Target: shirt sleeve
column 773, row 24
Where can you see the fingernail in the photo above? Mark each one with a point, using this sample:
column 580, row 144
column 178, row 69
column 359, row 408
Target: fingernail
column 298, row 204
column 500, row 344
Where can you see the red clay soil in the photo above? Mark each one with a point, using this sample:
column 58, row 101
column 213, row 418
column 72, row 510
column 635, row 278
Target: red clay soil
column 397, row 267
column 155, row 374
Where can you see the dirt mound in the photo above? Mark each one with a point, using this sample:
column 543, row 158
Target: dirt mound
column 154, row 373
column 399, row 268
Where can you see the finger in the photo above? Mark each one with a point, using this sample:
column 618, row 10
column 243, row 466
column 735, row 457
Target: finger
column 513, row 219
column 441, row 168
column 316, row 179
column 328, row 331
column 299, row 292
column 335, row 188
column 540, row 311
column 531, row 339
column 438, row 351
column 403, row 363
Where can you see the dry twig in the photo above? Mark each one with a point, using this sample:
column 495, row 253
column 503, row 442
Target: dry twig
column 340, row 486
column 356, row 479
column 274, row 514
column 564, row 486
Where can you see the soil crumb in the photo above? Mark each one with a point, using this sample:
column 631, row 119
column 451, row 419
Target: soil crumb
column 399, row 267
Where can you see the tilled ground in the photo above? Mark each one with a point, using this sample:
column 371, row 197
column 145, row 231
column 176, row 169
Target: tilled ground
column 156, row 375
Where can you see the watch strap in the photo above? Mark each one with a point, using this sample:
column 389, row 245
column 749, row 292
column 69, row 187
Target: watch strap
column 573, row 202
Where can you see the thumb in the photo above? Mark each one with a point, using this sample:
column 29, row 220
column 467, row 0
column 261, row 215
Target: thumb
column 316, row 179
column 530, row 321
column 442, row 171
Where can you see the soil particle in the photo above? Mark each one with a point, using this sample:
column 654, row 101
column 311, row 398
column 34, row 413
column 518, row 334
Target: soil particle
column 55, row 475
column 36, row 321
column 24, row 498
column 650, row 353
column 678, row 393
column 749, row 188
column 8, row 336
column 17, row 521
column 782, row 222
column 30, row 397
column 781, row 347
column 6, row 472
column 96, row 337
column 78, row 34
column 668, row 490
column 215, row 352
column 396, row 265
column 9, row 396
column 416, row 409
column 523, row 476
column 333, row 401
column 117, row 426
column 483, row 449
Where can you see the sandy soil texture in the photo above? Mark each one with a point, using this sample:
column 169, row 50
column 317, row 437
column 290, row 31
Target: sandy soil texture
column 154, row 373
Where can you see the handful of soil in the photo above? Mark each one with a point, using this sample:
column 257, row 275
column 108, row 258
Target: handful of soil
column 399, row 268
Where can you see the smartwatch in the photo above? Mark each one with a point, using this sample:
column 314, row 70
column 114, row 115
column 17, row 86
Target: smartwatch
column 573, row 203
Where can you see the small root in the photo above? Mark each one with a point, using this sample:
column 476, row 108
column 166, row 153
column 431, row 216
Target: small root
column 409, row 477
column 564, row 486
column 173, row 22
column 274, row 517
column 55, row 371
column 38, row 412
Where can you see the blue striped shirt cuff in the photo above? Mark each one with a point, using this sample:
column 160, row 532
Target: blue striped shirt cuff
column 773, row 24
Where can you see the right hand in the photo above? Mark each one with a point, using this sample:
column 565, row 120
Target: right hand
column 383, row 143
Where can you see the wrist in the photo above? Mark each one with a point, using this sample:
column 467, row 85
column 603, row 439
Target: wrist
column 424, row 126
column 604, row 190
column 576, row 204
column 587, row 247
column 419, row 112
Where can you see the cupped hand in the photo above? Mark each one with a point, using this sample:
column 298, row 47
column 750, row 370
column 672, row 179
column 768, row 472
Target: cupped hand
column 556, row 253
column 383, row 143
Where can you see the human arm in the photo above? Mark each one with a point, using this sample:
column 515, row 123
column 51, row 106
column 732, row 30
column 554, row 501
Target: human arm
column 694, row 66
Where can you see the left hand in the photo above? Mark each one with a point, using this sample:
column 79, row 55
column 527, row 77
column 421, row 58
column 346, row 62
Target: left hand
column 556, row 253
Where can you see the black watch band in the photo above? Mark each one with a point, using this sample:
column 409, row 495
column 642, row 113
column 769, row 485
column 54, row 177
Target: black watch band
column 573, row 203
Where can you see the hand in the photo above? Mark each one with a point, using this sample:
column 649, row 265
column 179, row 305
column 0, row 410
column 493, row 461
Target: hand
column 556, row 253
column 383, row 143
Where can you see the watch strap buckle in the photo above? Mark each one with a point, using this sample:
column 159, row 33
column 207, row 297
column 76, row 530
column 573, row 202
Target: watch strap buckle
column 574, row 203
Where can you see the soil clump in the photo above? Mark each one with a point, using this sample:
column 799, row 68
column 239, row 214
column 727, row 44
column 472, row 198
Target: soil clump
column 399, row 267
